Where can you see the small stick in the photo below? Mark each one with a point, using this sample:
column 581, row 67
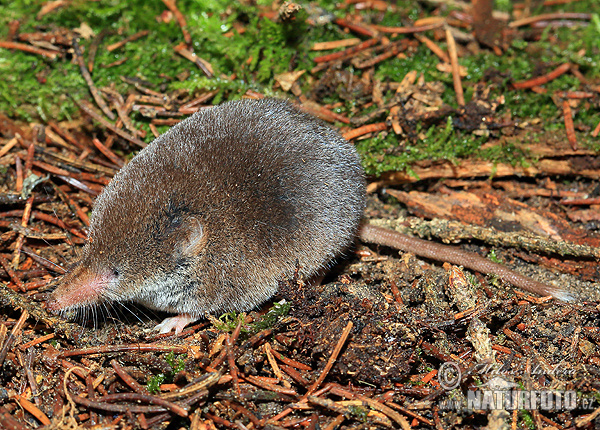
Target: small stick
column 568, row 114
column 21, row 237
column 94, row 48
column 27, row 48
column 332, row 358
column 295, row 375
column 35, row 389
column 131, row 38
column 276, row 370
column 88, row 109
column 596, row 130
column 29, row 160
column 66, row 135
column 407, row 30
column 347, row 52
column 433, row 47
column 107, row 153
column 102, row 404
column 202, row 64
column 322, row 112
column 289, row 361
column 460, row 98
column 390, row 413
column 395, row 50
column 242, row 410
column 233, row 370
column 324, row 46
column 32, row 409
column 357, row 28
column 13, row 336
column 575, row 94
column 268, row 386
column 50, row 168
column 19, row 172
column 141, row 347
column 90, row 83
column 122, row 112
column 11, row 273
column 336, row 422
column 360, row 131
column 72, row 205
column 9, row 145
column 126, row 377
column 540, row 80
column 170, row 4
column 37, row 341
column 410, row 413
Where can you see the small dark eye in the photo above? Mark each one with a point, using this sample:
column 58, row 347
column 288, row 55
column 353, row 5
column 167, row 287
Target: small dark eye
column 116, row 273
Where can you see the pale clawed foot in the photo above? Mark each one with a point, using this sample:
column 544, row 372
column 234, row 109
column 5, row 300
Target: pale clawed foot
column 177, row 323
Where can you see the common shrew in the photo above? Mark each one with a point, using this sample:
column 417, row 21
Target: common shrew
column 215, row 212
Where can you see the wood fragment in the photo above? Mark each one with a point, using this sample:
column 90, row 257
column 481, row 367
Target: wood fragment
column 596, row 130
column 365, row 129
column 357, row 28
column 408, row 30
column 8, row 146
column 322, row 112
column 458, row 89
column 126, row 377
column 399, row 419
column 131, row 38
column 108, row 153
column 21, row 238
column 439, row 52
column 541, row 80
column 393, row 49
column 170, row 4
column 32, row 409
column 347, row 53
column 37, row 341
column 569, row 127
column 19, row 173
column 269, row 386
column 343, row 43
column 88, row 109
column 90, row 83
column 11, row 273
column 28, row 48
column 332, row 358
column 202, row 64
column 12, row 337
column 102, row 404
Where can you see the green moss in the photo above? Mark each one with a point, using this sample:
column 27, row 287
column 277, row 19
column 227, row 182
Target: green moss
column 229, row 321
column 382, row 153
column 359, row 412
column 278, row 311
column 154, row 383
column 177, row 365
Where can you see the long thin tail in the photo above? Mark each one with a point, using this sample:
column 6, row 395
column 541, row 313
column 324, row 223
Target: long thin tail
column 435, row 251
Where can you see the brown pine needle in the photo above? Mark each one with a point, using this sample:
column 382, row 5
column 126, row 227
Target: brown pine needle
column 460, row 97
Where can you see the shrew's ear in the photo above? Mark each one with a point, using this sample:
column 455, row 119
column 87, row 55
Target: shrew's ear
column 194, row 238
